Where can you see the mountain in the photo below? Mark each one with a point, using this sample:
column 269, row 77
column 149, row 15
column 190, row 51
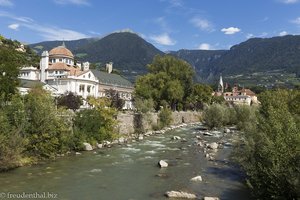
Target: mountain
column 275, row 59
column 260, row 54
column 199, row 59
column 264, row 61
column 129, row 52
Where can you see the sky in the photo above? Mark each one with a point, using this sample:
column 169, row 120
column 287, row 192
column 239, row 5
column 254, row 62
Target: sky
column 167, row 24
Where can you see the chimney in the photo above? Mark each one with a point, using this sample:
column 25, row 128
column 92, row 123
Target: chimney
column 109, row 67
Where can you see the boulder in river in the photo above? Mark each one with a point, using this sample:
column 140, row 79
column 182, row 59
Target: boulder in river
column 87, row 146
column 180, row 194
column 213, row 145
column 100, row 146
column 176, row 138
column 162, row 164
column 226, row 130
column 211, row 198
column 196, row 179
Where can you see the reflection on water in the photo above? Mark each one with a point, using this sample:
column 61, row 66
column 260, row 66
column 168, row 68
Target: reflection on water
column 131, row 172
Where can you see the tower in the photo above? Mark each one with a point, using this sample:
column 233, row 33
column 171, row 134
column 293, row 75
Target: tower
column 44, row 63
column 221, row 85
column 109, row 67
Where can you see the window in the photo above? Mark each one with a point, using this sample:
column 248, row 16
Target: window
column 89, row 75
column 60, row 60
column 81, row 88
column 88, row 88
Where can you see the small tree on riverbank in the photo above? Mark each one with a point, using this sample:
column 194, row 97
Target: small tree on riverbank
column 271, row 154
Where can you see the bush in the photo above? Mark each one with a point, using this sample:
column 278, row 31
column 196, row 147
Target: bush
column 271, row 154
column 215, row 116
column 165, row 117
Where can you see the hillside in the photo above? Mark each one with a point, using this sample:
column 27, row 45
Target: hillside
column 199, row 59
column 129, row 52
column 258, row 61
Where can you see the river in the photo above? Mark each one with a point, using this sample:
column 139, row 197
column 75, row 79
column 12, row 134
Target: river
column 130, row 172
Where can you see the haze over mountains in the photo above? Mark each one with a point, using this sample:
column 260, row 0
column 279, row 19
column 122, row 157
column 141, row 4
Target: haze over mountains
column 131, row 53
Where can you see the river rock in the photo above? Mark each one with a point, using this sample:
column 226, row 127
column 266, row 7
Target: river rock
column 100, row 146
column 121, row 140
column 77, row 153
column 211, row 198
column 200, row 144
column 226, row 130
column 87, row 146
column 180, row 194
column 207, row 134
column 213, row 145
column 141, row 137
column 196, row 179
column 176, row 138
column 162, row 164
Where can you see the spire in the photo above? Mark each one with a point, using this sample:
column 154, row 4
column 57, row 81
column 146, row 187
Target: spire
column 63, row 43
column 221, row 85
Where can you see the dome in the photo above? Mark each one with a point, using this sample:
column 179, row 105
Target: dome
column 61, row 51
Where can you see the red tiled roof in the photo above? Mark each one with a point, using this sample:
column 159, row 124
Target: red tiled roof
column 61, row 51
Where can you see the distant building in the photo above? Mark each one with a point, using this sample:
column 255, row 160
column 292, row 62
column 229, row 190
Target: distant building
column 236, row 96
column 59, row 74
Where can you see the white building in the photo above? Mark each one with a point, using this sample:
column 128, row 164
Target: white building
column 59, row 74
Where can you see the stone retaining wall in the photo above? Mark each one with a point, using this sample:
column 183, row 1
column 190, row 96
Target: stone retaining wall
column 127, row 120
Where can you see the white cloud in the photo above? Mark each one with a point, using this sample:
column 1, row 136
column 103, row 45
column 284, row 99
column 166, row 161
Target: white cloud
column 163, row 39
column 296, row 21
column 205, row 46
column 202, row 24
column 11, row 16
column 76, row 2
column 47, row 32
column 230, row 30
column 7, row 3
column 14, row 26
column 55, row 33
column 283, row 33
column 249, row 35
column 289, row 1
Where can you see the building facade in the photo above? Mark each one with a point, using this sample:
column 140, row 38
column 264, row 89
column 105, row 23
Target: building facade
column 59, row 74
column 236, row 96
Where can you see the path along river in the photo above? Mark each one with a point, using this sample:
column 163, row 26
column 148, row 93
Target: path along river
column 130, row 172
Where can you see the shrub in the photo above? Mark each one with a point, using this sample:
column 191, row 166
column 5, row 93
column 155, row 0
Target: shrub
column 165, row 117
column 271, row 154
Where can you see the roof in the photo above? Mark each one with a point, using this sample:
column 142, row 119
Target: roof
column 63, row 66
column 111, row 79
column 248, row 92
column 25, row 83
column 61, row 51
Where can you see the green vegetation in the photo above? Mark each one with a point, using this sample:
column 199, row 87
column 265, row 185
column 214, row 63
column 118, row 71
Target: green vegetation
column 70, row 101
column 32, row 127
column 165, row 117
column 270, row 155
column 169, row 83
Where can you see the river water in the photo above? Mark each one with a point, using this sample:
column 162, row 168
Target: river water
column 130, row 172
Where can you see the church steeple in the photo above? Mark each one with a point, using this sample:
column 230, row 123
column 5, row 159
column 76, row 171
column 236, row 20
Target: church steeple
column 221, row 85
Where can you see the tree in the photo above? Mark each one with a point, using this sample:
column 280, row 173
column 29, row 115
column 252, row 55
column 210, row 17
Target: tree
column 70, row 101
column 10, row 63
column 271, row 154
column 48, row 128
column 169, row 80
column 115, row 99
column 200, row 94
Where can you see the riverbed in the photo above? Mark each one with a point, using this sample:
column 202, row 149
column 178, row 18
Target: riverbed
column 130, row 171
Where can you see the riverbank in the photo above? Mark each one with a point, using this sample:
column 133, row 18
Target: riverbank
column 130, row 171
